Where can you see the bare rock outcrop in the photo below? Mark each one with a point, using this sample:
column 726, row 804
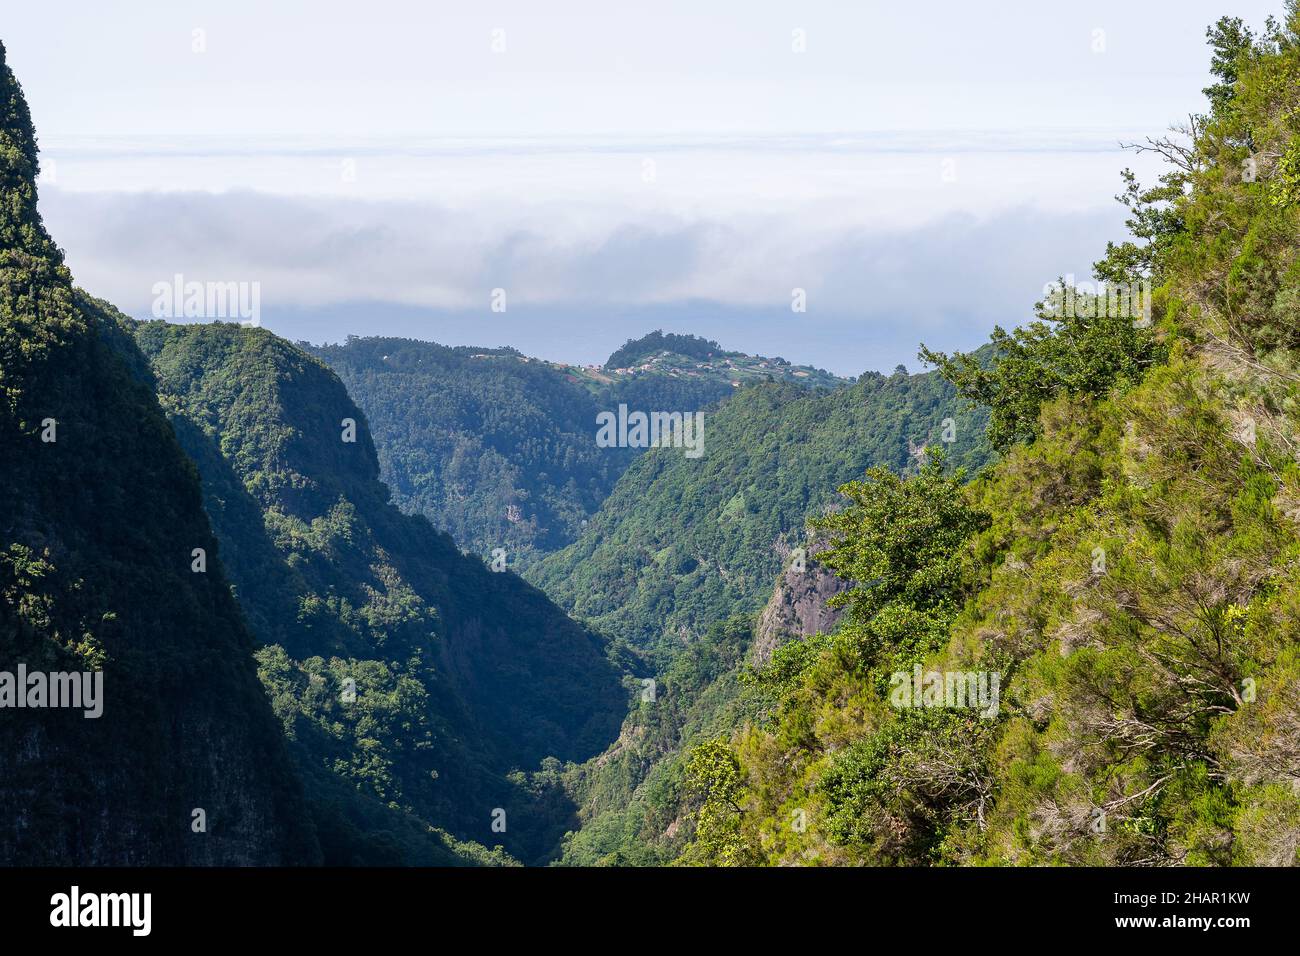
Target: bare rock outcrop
column 797, row 607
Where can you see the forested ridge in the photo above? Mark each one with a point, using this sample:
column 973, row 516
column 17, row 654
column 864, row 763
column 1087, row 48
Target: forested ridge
column 458, row 676
column 498, row 448
column 196, row 513
column 100, row 512
column 682, row 544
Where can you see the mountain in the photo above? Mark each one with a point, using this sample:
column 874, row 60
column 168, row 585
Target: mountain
column 194, row 515
column 1103, row 626
column 681, row 559
column 697, row 359
column 1037, row 607
column 459, row 676
column 636, row 806
column 491, row 446
column 100, row 512
column 684, row 543
column 499, row 449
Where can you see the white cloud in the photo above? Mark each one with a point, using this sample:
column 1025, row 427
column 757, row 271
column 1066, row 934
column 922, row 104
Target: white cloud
column 873, row 288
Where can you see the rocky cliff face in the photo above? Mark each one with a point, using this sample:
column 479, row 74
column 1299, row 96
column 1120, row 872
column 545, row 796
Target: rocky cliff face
column 797, row 607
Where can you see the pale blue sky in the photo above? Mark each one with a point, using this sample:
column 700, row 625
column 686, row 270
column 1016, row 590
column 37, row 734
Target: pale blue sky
column 921, row 169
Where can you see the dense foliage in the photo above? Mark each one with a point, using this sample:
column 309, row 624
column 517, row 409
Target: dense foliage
column 99, row 511
column 637, row 806
column 684, row 543
column 1071, row 355
column 399, row 667
column 682, row 556
column 499, row 449
column 1127, row 569
column 1080, row 650
column 634, row 351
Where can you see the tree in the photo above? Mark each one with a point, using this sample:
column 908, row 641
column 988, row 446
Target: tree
column 1086, row 350
column 1231, row 41
column 713, row 774
column 900, row 540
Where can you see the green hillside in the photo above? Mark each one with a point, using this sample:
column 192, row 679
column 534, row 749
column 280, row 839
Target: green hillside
column 498, row 448
column 391, row 603
column 100, row 511
column 696, row 359
column 461, row 675
column 1127, row 570
column 682, row 544
column 683, row 555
